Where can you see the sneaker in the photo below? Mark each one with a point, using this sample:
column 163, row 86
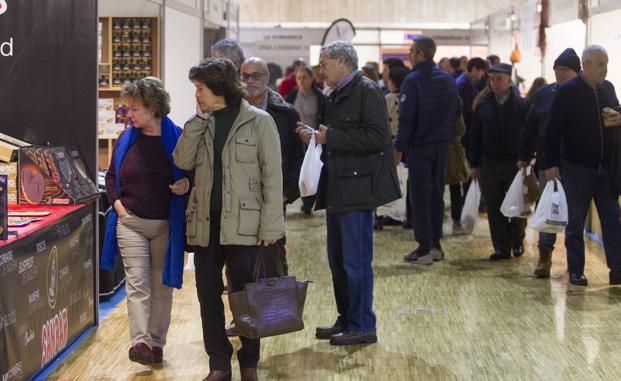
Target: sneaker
column 419, row 257
column 499, row 256
column 437, row 254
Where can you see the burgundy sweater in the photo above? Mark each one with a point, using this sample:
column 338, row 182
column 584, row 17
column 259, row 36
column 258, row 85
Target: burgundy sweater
column 146, row 174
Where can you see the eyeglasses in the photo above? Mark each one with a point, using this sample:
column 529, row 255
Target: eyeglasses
column 255, row 76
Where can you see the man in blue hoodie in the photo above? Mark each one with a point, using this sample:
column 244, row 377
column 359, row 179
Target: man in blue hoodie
column 566, row 67
column 427, row 114
column 579, row 140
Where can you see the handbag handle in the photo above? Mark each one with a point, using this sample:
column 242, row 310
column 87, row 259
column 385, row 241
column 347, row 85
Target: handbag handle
column 274, row 250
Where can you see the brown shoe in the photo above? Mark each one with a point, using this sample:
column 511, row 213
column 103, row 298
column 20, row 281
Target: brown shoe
column 141, row 353
column 545, row 262
column 249, row 374
column 218, row 375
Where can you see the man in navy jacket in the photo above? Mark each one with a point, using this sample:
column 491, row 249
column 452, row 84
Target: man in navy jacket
column 427, row 114
column 579, row 140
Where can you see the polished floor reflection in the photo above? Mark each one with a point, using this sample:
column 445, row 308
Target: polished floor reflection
column 461, row 319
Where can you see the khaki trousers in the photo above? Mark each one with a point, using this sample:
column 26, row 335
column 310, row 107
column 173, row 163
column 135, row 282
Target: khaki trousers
column 144, row 244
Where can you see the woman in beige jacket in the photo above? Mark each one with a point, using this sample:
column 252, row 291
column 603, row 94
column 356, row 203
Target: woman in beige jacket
column 236, row 202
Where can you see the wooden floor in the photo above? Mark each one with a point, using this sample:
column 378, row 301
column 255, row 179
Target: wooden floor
column 461, row 319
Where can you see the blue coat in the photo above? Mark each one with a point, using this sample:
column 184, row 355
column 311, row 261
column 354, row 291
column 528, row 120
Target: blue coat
column 173, row 266
column 429, row 107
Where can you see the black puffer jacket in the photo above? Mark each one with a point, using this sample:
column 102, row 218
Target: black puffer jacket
column 291, row 146
column 359, row 172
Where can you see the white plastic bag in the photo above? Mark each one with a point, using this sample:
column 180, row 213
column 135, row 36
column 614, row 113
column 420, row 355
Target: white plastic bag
column 470, row 212
column 397, row 209
column 515, row 204
column 311, row 169
column 552, row 214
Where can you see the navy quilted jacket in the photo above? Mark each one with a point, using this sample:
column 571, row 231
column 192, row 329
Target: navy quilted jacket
column 429, row 107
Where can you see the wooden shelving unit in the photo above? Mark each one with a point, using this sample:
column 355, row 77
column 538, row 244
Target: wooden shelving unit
column 129, row 51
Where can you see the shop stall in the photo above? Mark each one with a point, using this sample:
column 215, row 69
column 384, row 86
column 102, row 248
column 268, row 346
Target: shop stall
column 48, row 196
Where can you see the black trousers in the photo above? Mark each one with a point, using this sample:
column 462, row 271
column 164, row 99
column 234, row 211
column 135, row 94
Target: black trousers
column 427, row 168
column 496, row 178
column 209, row 262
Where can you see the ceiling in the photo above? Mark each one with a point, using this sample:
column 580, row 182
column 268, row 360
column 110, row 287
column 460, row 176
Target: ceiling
column 368, row 12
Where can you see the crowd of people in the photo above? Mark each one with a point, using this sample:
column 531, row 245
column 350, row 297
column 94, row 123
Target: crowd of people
column 225, row 180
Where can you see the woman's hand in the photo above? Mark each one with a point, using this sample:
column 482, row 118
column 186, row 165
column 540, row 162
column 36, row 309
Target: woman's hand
column 120, row 209
column 180, row 187
column 199, row 112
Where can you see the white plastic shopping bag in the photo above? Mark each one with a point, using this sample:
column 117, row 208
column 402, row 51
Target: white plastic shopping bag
column 397, row 209
column 311, row 169
column 551, row 215
column 470, row 212
column 515, row 204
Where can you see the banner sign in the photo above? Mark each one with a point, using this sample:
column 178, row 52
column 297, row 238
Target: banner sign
column 48, row 73
column 46, row 293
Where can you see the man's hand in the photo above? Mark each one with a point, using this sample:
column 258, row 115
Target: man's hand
column 120, row 209
column 180, row 187
column 552, row 173
column 304, row 131
column 522, row 164
column 266, row 243
column 475, row 173
column 320, row 136
column 398, row 157
column 612, row 119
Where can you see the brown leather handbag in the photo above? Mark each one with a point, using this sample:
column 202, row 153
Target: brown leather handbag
column 272, row 306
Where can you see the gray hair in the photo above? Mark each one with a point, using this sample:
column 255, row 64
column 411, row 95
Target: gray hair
column 231, row 49
column 593, row 50
column 343, row 49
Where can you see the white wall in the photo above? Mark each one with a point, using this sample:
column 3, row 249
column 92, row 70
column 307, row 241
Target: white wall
column 182, row 50
column 606, row 31
column 560, row 37
column 128, row 8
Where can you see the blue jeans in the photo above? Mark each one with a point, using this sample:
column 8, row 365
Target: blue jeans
column 581, row 185
column 350, row 253
column 546, row 240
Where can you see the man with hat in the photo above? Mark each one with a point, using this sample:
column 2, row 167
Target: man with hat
column 579, row 145
column 496, row 128
column 566, row 67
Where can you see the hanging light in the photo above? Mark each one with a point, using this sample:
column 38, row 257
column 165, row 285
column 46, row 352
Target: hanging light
column 539, row 6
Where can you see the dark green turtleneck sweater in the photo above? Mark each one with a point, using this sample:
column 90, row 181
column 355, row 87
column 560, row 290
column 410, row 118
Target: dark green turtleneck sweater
column 224, row 122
